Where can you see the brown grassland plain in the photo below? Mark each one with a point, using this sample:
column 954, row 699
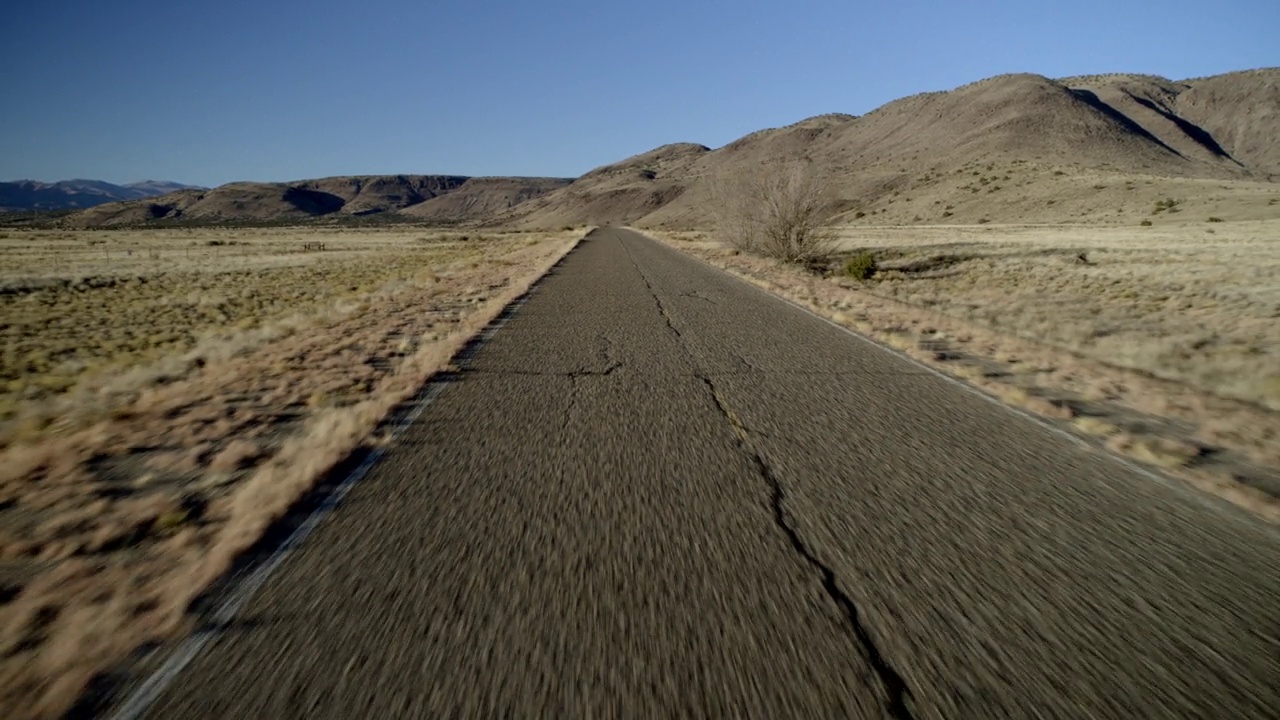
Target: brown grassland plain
column 165, row 395
column 1161, row 343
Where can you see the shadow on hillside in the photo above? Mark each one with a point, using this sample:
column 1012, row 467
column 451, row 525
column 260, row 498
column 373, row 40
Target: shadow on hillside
column 1195, row 132
column 313, row 202
column 1091, row 99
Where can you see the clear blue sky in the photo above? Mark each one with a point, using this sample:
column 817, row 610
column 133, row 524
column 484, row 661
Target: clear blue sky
column 209, row 92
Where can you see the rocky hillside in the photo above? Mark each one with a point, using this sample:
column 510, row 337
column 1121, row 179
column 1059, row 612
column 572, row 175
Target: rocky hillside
column 917, row 158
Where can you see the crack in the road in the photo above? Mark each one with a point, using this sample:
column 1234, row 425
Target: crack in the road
column 754, row 371
column 662, row 309
column 893, row 682
column 575, row 376
column 573, row 403
column 611, row 363
column 579, row 373
column 699, row 296
column 618, row 365
column 751, row 369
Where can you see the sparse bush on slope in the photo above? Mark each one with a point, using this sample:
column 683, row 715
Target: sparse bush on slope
column 775, row 212
column 860, row 267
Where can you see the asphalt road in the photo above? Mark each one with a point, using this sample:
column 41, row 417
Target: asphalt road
column 659, row 492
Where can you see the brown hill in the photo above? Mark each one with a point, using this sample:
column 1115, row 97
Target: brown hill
column 482, row 198
column 1064, row 133
column 622, row 192
column 1241, row 110
column 336, row 196
column 1229, row 118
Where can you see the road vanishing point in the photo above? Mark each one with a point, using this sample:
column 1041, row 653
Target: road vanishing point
column 657, row 491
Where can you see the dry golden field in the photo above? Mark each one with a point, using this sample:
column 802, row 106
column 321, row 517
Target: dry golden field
column 1198, row 304
column 169, row 394
column 1162, row 343
column 117, row 309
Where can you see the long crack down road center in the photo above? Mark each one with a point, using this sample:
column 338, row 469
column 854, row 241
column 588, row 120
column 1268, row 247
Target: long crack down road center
column 659, row 492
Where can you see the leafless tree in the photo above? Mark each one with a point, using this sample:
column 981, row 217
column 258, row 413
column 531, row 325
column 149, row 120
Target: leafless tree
column 776, row 211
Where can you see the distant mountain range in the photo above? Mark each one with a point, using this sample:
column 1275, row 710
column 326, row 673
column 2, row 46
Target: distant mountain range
column 444, row 199
column 1011, row 148
column 78, row 194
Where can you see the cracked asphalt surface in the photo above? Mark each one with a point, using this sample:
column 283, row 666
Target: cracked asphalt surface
column 659, row 492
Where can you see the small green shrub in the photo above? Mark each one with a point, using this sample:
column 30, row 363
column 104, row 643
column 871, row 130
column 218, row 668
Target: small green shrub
column 859, row 215
column 169, row 522
column 1214, row 219
column 983, row 221
column 1145, row 223
column 860, row 267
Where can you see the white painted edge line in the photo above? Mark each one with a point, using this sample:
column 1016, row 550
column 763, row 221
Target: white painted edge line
column 150, row 690
column 1219, row 505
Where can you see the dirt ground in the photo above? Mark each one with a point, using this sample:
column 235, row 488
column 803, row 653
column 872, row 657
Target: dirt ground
column 1159, row 343
column 169, row 394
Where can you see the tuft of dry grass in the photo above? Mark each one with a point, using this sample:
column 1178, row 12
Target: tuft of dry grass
column 1095, row 426
column 124, row 496
column 1168, row 453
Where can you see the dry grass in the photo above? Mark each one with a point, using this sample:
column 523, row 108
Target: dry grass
column 1058, row 193
column 1175, row 302
column 127, row 491
column 122, row 311
column 1161, row 343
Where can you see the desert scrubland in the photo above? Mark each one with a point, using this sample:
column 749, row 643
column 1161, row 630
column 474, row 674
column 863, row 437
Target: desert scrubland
column 168, row 394
column 1161, row 343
